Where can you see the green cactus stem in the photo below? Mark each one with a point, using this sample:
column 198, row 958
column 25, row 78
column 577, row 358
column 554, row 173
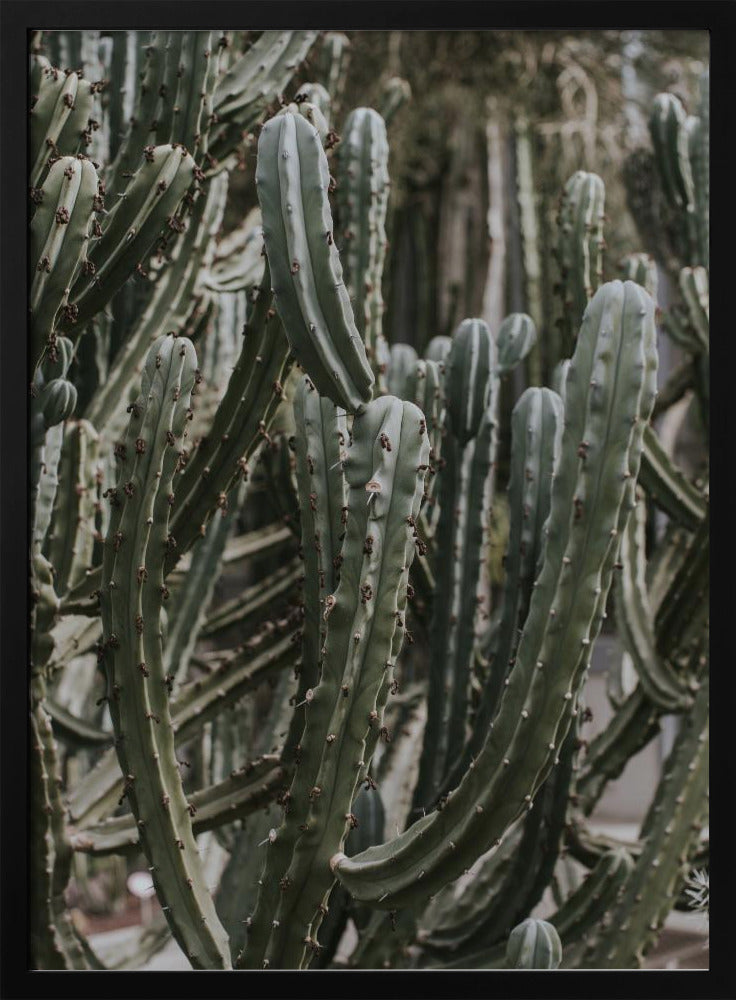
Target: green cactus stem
column 242, row 793
column 667, row 486
column 132, row 598
column 60, row 119
column 362, row 201
column 239, row 427
column 386, row 461
column 395, row 93
column 309, row 290
column 251, row 83
column 641, row 268
column 131, row 228
column 579, row 248
column 534, row 944
column 672, row 833
column 536, row 430
column 71, row 539
column 465, row 493
column 516, row 337
column 635, row 619
column 59, row 241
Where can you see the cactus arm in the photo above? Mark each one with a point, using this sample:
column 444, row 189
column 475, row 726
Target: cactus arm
column 132, row 597
column 133, row 225
column 616, row 353
column 46, row 948
column 74, row 507
column 74, row 730
column 321, row 440
column 695, row 293
column 389, row 449
column 465, row 493
column 677, row 812
column 516, row 337
column 468, row 377
column 667, row 486
column 141, row 126
column 59, row 238
column 669, row 138
column 167, row 308
column 659, row 681
column 536, row 429
column 641, row 268
column 579, row 248
column 309, row 291
column 196, row 703
column 59, row 119
column 244, row 792
column 684, row 607
column 385, row 462
column 394, row 95
column 240, row 423
column 192, row 599
column 362, row 189
column 402, row 358
column 251, row 83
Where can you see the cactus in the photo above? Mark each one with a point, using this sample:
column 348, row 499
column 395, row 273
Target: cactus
column 137, row 684
column 309, row 292
column 362, row 189
column 579, row 248
column 365, row 627
column 251, row 590
column 534, row 944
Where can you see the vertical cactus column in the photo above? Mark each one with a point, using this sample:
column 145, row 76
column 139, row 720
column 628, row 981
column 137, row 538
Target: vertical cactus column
column 132, row 597
column 321, row 443
column 579, row 249
column 362, row 192
column 309, row 290
column 465, row 493
column 384, row 470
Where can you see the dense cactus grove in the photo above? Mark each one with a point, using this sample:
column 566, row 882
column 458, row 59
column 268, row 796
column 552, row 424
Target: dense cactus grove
column 274, row 659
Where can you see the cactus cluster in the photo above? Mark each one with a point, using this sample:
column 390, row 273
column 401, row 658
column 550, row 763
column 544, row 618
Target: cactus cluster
column 212, row 409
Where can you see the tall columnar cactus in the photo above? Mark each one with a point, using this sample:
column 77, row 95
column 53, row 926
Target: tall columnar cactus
column 132, row 598
column 579, row 248
column 464, row 494
column 362, row 191
column 309, row 292
column 365, row 625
